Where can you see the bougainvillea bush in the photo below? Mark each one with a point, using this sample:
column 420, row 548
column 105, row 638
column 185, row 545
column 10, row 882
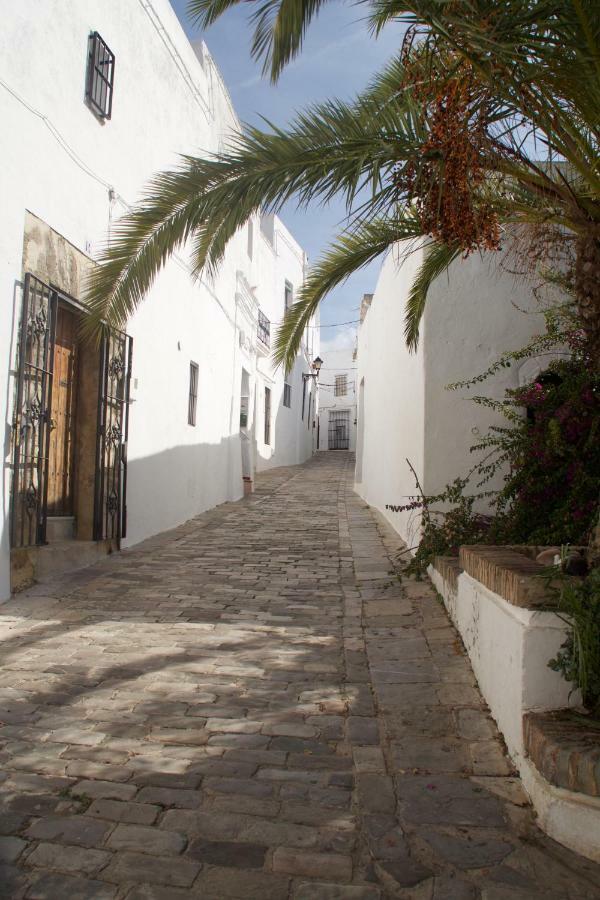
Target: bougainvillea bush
column 548, row 452
column 551, row 491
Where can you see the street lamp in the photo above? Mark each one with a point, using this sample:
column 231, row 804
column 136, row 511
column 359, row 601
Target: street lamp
column 317, row 363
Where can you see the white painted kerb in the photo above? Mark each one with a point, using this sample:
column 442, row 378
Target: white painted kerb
column 509, row 648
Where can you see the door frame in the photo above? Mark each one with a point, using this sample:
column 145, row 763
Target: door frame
column 343, row 416
column 31, row 418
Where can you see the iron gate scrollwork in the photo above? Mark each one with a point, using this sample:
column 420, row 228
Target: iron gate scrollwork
column 339, row 430
column 110, row 508
column 32, row 414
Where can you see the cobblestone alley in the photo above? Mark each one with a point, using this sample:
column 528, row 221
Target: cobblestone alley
column 254, row 706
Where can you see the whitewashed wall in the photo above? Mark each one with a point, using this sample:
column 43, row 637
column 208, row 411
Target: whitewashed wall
column 391, row 385
column 337, row 362
column 78, row 176
column 279, row 258
column 474, row 314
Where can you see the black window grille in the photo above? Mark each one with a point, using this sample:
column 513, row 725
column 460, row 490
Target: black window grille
column 309, row 405
column 287, row 395
column 264, row 329
column 193, row 397
column 267, row 416
column 100, row 76
column 341, row 385
column 288, row 295
column 303, row 396
column 339, row 430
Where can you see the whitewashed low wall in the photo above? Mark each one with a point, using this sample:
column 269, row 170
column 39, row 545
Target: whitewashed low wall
column 509, row 648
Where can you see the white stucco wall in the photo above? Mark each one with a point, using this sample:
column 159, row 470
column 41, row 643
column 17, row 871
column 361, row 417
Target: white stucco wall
column 279, row 258
column 474, row 313
column 78, row 176
column 337, row 362
column 391, row 392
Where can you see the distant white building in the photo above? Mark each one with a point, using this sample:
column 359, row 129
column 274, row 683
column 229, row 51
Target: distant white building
column 337, row 401
column 474, row 314
column 104, row 447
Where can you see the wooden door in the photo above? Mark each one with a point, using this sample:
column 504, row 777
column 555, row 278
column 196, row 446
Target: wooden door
column 62, row 415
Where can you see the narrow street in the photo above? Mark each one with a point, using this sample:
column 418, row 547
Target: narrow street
column 255, row 705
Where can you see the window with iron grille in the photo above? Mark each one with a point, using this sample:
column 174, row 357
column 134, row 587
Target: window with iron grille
column 100, row 76
column 264, row 329
column 193, row 396
column 309, row 405
column 341, row 385
column 303, row 396
column 267, row 415
column 287, row 395
column 288, row 295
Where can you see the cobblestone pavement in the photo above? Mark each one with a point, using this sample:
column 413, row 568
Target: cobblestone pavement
column 254, row 706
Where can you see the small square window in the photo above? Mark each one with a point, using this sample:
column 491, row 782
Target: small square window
column 100, row 76
column 288, row 295
column 193, row 395
column 341, row 385
column 287, row 395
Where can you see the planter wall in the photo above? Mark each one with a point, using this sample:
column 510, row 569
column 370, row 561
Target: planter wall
column 509, row 646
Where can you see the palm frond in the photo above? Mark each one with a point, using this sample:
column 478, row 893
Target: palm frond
column 349, row 253
column 332, row 149
column 139, row 246
column 437, row 258
column 279, row 26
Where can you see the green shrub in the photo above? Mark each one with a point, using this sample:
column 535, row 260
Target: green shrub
column 578, row 660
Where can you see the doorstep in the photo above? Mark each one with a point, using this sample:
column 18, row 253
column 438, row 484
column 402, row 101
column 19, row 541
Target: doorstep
column 31, row 565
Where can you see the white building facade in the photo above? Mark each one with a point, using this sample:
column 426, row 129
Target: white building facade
column 337, row 405
column 474, row 314
column 106, row 446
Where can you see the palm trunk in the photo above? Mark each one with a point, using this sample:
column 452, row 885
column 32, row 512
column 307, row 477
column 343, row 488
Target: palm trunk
column 587, row 292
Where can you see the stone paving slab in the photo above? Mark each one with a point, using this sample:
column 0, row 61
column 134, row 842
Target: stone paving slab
column 258, row 704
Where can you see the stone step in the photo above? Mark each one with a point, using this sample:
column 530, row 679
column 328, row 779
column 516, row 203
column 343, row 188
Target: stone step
column 66, row 556
column 60, row 528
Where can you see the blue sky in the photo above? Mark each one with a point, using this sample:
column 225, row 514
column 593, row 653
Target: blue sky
column 338, row 60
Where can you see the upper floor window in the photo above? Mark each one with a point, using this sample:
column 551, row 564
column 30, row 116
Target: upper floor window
column 341, row 385
column 100, row 76
column 250, row 238
column 287, row 395
column 288, row 295
column 193, row 394
column 267, row 416
column 263, row 329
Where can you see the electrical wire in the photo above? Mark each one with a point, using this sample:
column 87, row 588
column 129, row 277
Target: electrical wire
column 336, row 324
column 332, row 325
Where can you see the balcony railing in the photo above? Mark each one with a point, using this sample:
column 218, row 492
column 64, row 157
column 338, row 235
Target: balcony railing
column 264, row 329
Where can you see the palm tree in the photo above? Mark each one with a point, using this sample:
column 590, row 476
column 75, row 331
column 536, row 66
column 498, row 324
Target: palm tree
column 486, row 119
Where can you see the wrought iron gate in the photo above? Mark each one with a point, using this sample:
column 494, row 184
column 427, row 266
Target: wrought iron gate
column 110, row 508
column 32, row 422
column 32, row 415
column 339, row 429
